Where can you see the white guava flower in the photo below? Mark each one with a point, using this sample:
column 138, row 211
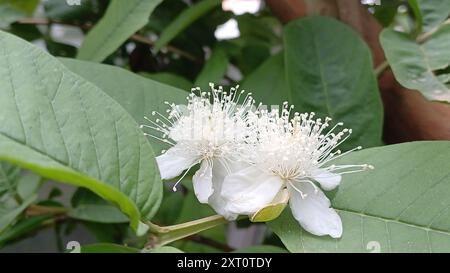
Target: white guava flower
column 211, row 130
column 293, row 154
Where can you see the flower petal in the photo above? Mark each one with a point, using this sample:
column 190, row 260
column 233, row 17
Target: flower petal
column 216, row 200
column 327, row 180
column 202, row 182
column 313, row 212
column 171, row 164
column 249, row 190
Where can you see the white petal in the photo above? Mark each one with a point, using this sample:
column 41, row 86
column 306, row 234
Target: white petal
column 171, row 164
column 250, row 189
column 313, row 212
column 327, row 180
column 216, row 200
column 202, row 182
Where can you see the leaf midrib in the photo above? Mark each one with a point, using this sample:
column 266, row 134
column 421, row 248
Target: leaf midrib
column 322, row 76
column 428, row 66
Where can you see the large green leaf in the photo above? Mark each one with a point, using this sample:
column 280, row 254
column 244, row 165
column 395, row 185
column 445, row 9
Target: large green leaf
column 28, row 185
column 213, row 70
column 63, row 127
column 433, row 12
column 403, row 205
column 13, row 10
column 414, row 64
column 268, row 82
column 329, row 71
column 185, row 19
column 190, row 210
column 89, row 207
column 169, row 79
column 169, row 211
column 121, row 20
column 138, row 95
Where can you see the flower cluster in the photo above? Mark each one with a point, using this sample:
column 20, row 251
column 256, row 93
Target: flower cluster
column 251, row 158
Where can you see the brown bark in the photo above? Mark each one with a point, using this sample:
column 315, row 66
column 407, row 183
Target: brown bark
column 408, row 115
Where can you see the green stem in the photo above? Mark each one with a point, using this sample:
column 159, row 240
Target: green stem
column 420, row 39
column 161, row 236
column 34, row 210
column 425, row 36
column 381, row 68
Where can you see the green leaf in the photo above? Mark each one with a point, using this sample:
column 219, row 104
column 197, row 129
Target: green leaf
column 22, row 228
column 385, row 13
column 169, row 211
column 261, row 249
column 267, row 83
column 433, row 12
column 330, row 72
column 121, row 20
column 401, row 206
column 417, row 14
column 9, row 15
column 27, row 185
column 170, row 79
column 89, row 207
column 8, row 177
column 213, row 70
column 138, row 95
column 414, row 64
column 166, row 249
column 186, row 18
column 25, row 6
column 8, row 215
column 108, row 233
column 190, row 210
column 259, row 28
column 98, row 213
column 56, row 126
column 108, row 248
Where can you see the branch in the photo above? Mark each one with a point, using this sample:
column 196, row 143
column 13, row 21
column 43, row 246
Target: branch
column 145, row 40
column 45, row 22
column 163, row 235
column 35, row 210
column 135, row 37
